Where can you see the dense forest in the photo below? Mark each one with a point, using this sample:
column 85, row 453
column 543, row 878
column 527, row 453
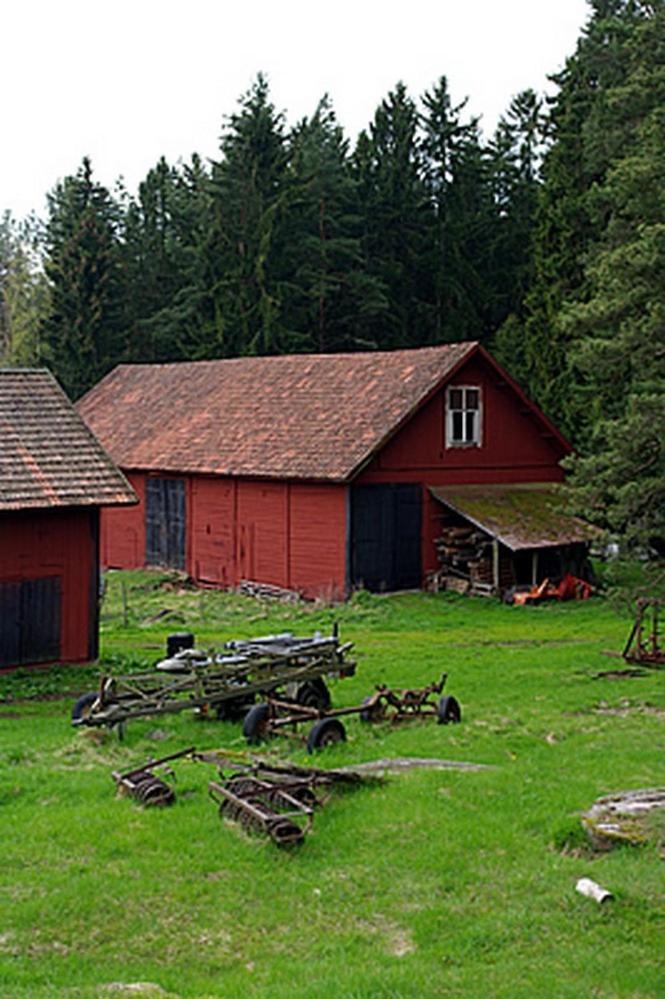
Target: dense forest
column 545, row 241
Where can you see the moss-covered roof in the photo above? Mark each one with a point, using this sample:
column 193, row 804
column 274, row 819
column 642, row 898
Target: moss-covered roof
column 519, row 516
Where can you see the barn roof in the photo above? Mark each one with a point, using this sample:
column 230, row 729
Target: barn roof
column 48, row 456
column 302, row 416
column 519, row 516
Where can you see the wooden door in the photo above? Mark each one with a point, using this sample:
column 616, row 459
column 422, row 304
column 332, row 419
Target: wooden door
column 165, row 526
column 386, row 537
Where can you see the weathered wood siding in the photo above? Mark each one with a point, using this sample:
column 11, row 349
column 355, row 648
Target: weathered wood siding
column 515, row 448
column 286, row 534
column 123, row 530
column 54, row 552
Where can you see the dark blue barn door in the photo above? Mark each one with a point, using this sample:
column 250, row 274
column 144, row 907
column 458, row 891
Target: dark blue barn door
column 165, row 522
column 386, row 537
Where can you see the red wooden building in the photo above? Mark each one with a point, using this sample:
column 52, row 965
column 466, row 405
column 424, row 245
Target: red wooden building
column 316, row 473
column 54, row 476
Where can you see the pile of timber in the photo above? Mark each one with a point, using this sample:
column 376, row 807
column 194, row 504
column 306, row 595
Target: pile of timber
column 465, row 560
column 266, row 591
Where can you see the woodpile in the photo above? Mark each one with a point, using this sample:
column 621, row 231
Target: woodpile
column 466, row 560
column 266, row 591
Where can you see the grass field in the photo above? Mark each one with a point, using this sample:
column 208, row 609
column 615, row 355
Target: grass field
column 435, row 884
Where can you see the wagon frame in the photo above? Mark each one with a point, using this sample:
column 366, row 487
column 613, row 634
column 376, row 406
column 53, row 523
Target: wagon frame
column 220, row 683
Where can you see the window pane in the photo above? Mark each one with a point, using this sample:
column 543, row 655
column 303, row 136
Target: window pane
column 472, row 398
column 455, row 399
column 470, row 427
column 458, row 426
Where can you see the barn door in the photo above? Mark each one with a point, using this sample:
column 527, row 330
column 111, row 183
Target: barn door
column 30, row 614
column 165, row 522
column 385, row 537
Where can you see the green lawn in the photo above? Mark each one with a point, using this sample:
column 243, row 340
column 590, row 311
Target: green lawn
column 436, row 883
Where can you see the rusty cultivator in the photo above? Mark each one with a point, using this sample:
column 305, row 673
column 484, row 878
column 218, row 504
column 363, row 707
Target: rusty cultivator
column 279, row 716
column 260, row 805
column 142, row 784
column 222, row 683
column 276, row 800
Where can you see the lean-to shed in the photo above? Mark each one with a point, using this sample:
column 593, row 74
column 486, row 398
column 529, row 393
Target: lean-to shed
column 54, row 477
column 310, row 472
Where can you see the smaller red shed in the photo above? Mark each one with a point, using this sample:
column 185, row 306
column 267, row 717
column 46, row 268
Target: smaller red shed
column 54, row 477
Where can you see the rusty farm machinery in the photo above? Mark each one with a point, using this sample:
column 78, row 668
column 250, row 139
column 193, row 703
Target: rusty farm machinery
column 273, row 799
column 277, row 716
column 224, row 684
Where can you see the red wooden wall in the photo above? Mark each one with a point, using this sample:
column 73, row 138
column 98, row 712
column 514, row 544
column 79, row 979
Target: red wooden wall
column 516, row 447
column 122, row 543
column 295, row 535
column 287, row 534
column 42, row 543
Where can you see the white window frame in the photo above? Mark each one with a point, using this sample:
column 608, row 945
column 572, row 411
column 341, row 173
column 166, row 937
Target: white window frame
column 478, row 435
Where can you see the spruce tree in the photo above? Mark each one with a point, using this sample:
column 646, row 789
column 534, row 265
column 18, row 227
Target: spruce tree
column 515, row 153
column 240, row 308
column 82, row 331
column 396, row 212
column 164, row 231
column 458, row 184
column 329, row 296
column 619, row 327
column 583, row 144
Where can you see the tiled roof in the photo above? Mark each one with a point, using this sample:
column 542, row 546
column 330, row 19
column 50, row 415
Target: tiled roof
column 306, row 416
column 519, row 516
column 48, row 456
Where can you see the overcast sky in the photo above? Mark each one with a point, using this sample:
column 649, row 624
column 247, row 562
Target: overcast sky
column 126, row 81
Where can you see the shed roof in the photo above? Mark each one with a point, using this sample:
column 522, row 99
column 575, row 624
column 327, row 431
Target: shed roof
column 303, row 416
column 519, row 516
column 48, row 456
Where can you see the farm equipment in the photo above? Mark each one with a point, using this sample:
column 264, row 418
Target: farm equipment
column 278, row 800
column 278, row 716
column 643, row 645
column 142, row 784
column 225, row 683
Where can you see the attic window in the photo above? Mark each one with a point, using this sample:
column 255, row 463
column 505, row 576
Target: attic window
column 463, row 416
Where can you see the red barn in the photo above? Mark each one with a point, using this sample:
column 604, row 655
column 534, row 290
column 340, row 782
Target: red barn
column 54, row 476
column 316, row 473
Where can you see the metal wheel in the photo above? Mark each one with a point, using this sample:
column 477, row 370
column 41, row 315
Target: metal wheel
column 449, row 711
column 324, row 733
column 255, row 725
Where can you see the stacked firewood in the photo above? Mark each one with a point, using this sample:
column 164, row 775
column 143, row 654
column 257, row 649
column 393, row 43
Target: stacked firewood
column 465, row 559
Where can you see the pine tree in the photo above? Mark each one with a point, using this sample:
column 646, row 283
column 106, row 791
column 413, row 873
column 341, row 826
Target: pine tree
column 619, row 327
column 241, row 303
column 584, row 142
column 396, row 214
column 329, row 296
column 458, row 183
column 82, row 331
column 164, row 231
column 515, row 153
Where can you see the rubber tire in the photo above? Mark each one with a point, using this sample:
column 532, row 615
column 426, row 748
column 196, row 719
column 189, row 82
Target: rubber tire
column 253, row 727
column 233, row 709
column 314, row 694
column 324, row 733
column 81, row 706
column 449, row 711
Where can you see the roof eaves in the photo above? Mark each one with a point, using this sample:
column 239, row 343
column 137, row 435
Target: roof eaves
column 473, row 346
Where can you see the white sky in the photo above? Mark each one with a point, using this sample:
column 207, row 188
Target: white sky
column 125, row 81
